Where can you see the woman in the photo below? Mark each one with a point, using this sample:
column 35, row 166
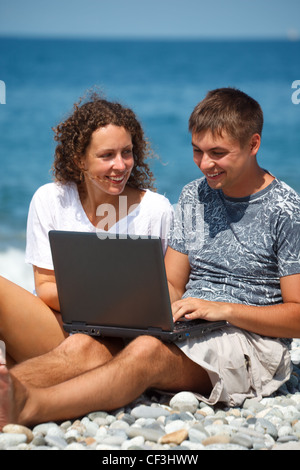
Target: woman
column 102, row 183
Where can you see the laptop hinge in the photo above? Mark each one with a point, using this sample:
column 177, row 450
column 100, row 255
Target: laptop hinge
column 154, row 329
column 78, row 323
column 79, row 327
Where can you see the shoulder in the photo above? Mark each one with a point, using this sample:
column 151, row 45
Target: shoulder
column 54, row 191
column 195, row 190
column 285, row 198
column 43, row 190
column 285, row 191
column 156, row 201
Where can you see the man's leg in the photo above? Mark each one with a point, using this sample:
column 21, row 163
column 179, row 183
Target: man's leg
column 144, row 363
column 27, row 325
column 74, row 356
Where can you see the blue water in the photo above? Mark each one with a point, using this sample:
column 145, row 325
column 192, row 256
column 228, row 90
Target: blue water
column 161, row 80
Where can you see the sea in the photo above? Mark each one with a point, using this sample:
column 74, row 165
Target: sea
column 162, row 80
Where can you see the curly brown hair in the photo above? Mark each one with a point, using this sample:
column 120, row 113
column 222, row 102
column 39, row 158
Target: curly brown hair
column 74, row 135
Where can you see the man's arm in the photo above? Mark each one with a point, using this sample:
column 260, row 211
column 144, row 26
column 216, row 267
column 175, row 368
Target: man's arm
column 279, row 320
column 178, row 271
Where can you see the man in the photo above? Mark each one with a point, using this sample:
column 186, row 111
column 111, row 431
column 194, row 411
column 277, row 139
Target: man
column 242, row 267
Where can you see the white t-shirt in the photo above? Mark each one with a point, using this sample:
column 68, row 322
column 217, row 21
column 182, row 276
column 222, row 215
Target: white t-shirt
column 57, row 206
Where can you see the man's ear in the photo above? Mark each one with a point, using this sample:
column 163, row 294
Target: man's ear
column 255, row 144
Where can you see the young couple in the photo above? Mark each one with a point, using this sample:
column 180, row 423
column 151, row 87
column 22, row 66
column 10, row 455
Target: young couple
column 245, row 269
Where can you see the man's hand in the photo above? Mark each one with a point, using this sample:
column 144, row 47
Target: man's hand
column 192, row 308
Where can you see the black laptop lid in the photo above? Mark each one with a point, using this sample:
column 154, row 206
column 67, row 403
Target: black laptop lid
column 113, row 281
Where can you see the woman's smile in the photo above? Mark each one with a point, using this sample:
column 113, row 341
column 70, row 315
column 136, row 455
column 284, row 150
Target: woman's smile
column 109, row 160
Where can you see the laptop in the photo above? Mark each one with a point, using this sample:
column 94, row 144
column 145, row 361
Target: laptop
column 116, row 285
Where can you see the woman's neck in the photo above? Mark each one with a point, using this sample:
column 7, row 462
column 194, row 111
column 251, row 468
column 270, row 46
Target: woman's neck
column 105, row 210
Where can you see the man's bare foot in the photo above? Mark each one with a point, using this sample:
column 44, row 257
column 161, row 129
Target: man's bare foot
column 13, row 397
column 6, row 397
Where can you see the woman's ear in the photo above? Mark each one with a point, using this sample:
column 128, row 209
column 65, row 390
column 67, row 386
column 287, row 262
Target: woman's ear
column 79, row 161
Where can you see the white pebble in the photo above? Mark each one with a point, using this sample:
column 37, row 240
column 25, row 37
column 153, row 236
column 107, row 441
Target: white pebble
column 207, row 410
column 55, row 432
column 75, row 446
column 184, row 401
column 176, row 425
column 11, row 439
column 137, row 441
column 285, row 431
column 43, row 428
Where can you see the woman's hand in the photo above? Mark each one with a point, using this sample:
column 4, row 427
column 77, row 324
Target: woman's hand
column 192, row 308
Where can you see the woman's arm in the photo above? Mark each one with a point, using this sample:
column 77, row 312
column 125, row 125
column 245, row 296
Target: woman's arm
column 279, row 320
column 45, row 286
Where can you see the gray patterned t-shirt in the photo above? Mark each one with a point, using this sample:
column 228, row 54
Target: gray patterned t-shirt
column 238, row 248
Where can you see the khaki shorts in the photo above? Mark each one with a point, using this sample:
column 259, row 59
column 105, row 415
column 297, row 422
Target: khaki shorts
column 240, row 364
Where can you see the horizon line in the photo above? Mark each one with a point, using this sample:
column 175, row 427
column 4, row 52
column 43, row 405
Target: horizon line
column 37, row 36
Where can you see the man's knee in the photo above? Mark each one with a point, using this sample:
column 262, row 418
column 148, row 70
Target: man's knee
column 146, row 347
column 85, row 347
column 77, row 343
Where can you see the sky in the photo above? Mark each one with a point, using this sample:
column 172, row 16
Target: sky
column 151, row 18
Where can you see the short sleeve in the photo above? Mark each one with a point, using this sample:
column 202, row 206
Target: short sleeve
column 166, row 222
column 187, row 230
column 40, row 221
column 288, row 239
column 176, row 235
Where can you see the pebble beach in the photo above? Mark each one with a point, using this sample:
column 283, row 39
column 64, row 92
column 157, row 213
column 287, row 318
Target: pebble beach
column 161, row 423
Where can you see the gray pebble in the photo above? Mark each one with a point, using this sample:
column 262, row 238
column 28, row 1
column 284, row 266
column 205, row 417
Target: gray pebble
column 147, row 433
column 55, row 441
column 144, row 411
column 287, row 438
column 196, row 435
column 265, row 426
column 38, row 441
column 242, row 440
column 115, row 440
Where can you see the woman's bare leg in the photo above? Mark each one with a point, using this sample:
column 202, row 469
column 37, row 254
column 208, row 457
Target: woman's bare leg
column 27, row 325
